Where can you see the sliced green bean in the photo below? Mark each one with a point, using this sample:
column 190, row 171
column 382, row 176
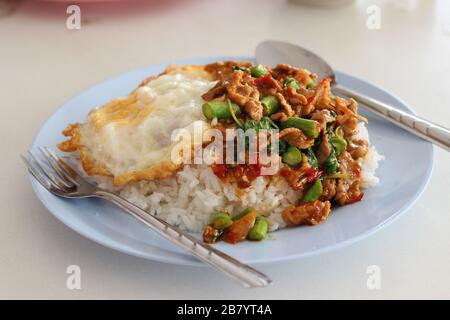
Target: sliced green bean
column 282, row 147
column 270, row 104
column 258, row 71
column 292, row 156
column 259, row 230
column 219, row 110
column 311, row 84
column 314, row 192
column 220, row 220
column 309, row 127
column 339, row 144
column 291, row 83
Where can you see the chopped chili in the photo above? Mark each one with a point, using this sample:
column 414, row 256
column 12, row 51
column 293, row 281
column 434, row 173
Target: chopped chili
column 313, row 174
column 264, row 81
column 243, row 174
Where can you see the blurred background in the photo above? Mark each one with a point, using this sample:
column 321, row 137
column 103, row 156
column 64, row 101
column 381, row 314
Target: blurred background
column 116, row 36
column 44, row 61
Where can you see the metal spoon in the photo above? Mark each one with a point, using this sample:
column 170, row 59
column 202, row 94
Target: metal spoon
column 275, row 52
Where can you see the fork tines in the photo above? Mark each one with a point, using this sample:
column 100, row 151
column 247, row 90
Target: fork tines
column 51, row 171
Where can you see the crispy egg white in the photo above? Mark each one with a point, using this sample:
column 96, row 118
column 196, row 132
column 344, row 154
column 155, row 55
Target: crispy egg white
column 133, row 134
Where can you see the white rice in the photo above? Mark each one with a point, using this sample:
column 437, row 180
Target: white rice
column 188, row 199
column 370, row 161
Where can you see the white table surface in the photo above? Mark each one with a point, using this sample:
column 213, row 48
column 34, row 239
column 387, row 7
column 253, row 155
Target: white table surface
column 42, row 64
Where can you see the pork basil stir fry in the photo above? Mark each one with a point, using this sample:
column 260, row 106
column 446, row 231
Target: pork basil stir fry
column 318, row 147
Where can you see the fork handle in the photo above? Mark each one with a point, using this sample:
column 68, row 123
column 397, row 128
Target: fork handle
column 243, row 273
column 427, row 130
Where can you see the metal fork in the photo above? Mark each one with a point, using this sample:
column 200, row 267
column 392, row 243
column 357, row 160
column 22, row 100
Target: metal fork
column 61, row 179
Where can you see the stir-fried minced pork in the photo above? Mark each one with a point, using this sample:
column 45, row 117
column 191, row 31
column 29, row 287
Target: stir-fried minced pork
column 329, row 189
column 296, row 137
column 279, row 116
column 358, row 148
column 222, row 70
column 241, row 91
column 294, row 97
column 322, row 116
column 333, row 155
column 324, row 149
column 218, row 92
column 323, row 95
column 285, row 106
column 348, row 188
column 310, row 213
column 301, row 75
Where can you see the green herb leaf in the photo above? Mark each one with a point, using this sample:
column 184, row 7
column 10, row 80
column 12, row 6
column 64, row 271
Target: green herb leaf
column 312, row 159
column 331, row 164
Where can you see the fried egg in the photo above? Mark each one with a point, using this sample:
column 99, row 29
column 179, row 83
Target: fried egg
column 130, row 138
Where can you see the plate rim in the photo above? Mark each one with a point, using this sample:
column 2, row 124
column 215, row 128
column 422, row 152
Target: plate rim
column 177, row 260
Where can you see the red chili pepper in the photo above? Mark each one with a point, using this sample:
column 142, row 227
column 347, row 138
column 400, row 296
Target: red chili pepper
column 355, row 199
column 220, row 170
column 285, row 172
column 246, row 173
column 264, row 81
column 312, row 174
column 289, row 92
column 256, row 168
column 239, row 170
column 252, row 172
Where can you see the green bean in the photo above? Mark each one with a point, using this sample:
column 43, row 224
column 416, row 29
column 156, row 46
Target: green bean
column 339, row 144
column 220, row 220
column 270, row 104
column 282, row 147
column 219, row 110
column 291, row 83
column 311, row 84
column 259, row 230
column 242, row 213
column 258, row 71
column 309, row 127
column 314, row 192
column 292, row 156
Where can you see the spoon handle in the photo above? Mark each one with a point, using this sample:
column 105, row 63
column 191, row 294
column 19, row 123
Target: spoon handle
column 427, row 130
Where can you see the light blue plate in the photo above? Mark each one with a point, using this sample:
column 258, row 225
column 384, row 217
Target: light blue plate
column 104, row 223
